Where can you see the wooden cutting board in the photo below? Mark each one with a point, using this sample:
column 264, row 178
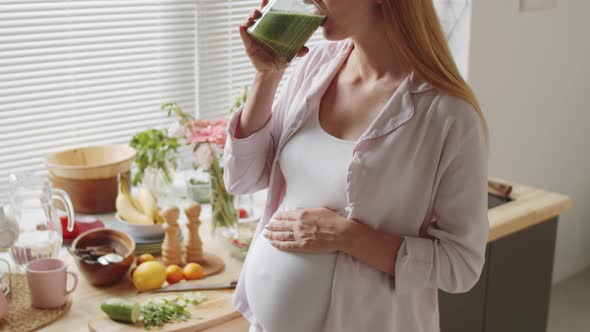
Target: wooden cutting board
column 216, row 309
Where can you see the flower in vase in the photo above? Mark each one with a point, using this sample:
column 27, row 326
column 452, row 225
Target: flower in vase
column 219, row 134
column 204, row 156
column 208, row 139
column 208, row 131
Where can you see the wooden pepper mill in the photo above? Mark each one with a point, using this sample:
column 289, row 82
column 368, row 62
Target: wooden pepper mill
column 194, row 246
column 171, row 250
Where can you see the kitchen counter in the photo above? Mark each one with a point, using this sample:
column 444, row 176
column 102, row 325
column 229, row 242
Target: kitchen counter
column 86, row 298
column 528, row 207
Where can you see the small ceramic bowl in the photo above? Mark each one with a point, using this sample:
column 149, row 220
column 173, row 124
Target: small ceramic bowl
column 105, row 275
column 138, row 232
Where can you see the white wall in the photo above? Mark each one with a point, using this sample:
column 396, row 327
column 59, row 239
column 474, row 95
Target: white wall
column 531, row 73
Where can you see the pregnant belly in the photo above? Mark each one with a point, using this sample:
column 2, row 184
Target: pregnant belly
column 287, row 291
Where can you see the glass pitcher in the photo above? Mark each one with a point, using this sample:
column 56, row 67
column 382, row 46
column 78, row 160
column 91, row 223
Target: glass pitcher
column 286, row 25
column 39, row 224
column 8, row 229
column 5, row 280
column 5, row 290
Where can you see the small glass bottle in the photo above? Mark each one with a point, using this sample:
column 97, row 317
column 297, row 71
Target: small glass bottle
column 286, row 25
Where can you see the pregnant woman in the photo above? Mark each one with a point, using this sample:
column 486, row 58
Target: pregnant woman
column 375, row 160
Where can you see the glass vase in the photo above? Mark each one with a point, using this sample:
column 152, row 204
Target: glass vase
column 237, row 239
column 224, row 214
column 157, row 181
column 233, row 218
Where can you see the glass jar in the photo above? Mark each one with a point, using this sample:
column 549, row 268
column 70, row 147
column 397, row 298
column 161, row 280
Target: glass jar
column 198, row 186
column 199, row 191
column 286, row 25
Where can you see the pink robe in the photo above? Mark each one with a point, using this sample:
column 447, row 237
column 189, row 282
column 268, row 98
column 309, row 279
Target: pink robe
column 418, row 171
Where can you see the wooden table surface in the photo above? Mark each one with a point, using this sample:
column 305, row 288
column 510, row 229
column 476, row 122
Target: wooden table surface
column 529, row 207
column 86, row 298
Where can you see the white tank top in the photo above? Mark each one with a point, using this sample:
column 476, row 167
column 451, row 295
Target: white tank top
column 287, row 291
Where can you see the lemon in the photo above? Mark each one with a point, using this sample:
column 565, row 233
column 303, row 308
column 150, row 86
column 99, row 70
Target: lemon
column 149, row 275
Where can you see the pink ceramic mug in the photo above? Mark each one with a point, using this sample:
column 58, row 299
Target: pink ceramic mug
column 47, row 280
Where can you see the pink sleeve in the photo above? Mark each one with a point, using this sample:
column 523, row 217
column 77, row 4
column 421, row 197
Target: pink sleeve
column 453, row 257
column 248, row 161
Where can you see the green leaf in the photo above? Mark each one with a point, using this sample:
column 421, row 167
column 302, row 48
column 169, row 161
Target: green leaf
column 154, row 149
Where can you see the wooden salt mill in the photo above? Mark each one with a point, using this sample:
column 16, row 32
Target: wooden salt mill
column 194, row 246
column 171, row 250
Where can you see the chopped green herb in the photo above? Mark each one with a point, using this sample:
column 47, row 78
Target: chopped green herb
column 169, row 309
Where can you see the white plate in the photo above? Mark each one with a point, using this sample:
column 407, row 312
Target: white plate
column 139, row 232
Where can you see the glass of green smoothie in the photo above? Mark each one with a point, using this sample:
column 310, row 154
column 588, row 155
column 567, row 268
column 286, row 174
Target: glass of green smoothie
column 286, row 25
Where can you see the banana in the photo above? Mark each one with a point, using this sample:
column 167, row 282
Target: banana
column 148, row 203
column 159, row 219
column 126, row 207
column 137, row 205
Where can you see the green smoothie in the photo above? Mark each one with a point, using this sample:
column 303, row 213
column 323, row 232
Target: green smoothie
column 285, row 32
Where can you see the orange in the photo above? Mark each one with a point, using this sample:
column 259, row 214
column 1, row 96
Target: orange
column 174, row 274
column 193, row 271
column 145, row 258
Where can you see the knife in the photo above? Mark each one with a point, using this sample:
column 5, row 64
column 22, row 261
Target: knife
column 180, row 287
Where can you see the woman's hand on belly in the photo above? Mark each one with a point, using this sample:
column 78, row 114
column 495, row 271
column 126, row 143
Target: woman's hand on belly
column 318, row 230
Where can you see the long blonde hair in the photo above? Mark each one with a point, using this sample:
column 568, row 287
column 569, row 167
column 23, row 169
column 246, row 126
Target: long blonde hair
column 415, row 30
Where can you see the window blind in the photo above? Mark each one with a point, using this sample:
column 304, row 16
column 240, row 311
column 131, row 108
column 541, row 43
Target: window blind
column 86, row 72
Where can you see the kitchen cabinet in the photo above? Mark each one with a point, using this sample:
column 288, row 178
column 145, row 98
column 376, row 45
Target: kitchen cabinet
column 513, row 293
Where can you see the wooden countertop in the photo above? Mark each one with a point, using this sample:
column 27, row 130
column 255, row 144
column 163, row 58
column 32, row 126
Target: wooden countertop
column 529, row 206
column 86, row 298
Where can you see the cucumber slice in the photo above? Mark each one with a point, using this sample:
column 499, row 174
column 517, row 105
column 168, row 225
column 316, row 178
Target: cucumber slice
column 121, row 310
